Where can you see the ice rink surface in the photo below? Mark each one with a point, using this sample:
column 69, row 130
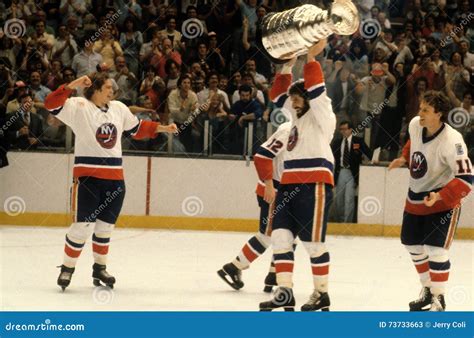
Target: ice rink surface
column 166, row 270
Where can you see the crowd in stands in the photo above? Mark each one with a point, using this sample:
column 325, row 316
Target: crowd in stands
column 193, row 61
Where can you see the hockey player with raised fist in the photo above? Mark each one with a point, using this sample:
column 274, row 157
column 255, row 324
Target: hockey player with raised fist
column 440, row 177
column 98, row 189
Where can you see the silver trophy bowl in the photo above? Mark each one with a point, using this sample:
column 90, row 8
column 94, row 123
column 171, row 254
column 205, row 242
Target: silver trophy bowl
column 287, row 34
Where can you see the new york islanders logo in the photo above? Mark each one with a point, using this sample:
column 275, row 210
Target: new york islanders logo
column 419, row 165
column 106, row 135
column 292, row 139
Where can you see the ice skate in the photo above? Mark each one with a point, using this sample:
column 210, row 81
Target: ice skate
column 232, row 276
column 100, row 275
column 65, row 276
column 317, row 301
column 283, row 298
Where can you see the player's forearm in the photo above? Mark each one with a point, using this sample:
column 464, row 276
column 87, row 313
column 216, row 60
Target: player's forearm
column 146, row 129
column 57, row 98
column 456, row 189
column 280, row 86
column 406, row 152
column 313, row 74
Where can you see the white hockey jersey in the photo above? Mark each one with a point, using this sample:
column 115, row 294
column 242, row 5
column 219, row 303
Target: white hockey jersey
column 98, row 146
column 309, row 158
column 438, row 163
column 268, row 159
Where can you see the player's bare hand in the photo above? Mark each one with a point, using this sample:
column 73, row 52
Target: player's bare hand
column 430, row 200
column 82, row 82
column 397, row 163
column 170, row 128
column 316, row 49
column 269, row 195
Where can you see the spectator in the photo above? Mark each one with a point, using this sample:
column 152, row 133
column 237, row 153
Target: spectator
column 108, row 47
column 466, row 56
column 340, row 88
column 131, row 41
column 416, row 91
column 41, row 37
column 234, row 83
column 215, row 59
column 182, row 103
column 213, row 110
column 202, row 58
column 244, row 110
column 39, row 92
column 53, row 76
column 393, row 113
column 252, row 50
column 173, row 73
column 74, row 8
column 149, row 49
column 212, row 88
column 248, row 80
column 198, row 83
column 150, row 79
column 87, row 60
column 65, row 47
column 171, row 33
column 159, row 61
column 72, row 24
column 457, row 75
column 372, row 90
column 157, row 97
column 125, row 80
column 357, row 60
column 26, row 127
column 251, row 67
column 13, row 103
column 348, row 152
column 425, row 68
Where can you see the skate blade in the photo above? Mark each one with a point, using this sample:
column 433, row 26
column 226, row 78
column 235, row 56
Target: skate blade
column 268, row 288
column 222, row 274
column 97, row 282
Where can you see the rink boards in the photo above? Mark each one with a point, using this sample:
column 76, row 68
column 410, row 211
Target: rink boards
column 191, row 194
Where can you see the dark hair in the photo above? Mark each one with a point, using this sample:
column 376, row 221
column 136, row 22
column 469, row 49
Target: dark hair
column 212, row 73
column 169, row 17
column 452, row 55
column 298, row 89
column 349, row 124
column 69, row 69
column 168, row 64
column 357, row 42
column 439, row 102
column 98, row 80
column 421, row 78
column 127, row 20
column 191, row 7
column 245, row 89
column 25, row 94
column 247, row 74
column 182, row 78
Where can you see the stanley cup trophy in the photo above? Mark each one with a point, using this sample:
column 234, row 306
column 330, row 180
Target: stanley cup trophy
column 290, row 33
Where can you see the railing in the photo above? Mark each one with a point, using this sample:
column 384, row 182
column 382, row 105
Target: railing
column 253, row 134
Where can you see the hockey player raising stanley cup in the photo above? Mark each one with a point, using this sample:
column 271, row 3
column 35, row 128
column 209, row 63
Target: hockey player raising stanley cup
column 305, row 189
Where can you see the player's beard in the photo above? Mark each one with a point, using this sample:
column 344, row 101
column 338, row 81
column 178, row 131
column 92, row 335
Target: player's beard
column 304, row 110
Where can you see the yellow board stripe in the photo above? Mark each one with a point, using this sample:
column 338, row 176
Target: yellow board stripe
column 209, row 224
